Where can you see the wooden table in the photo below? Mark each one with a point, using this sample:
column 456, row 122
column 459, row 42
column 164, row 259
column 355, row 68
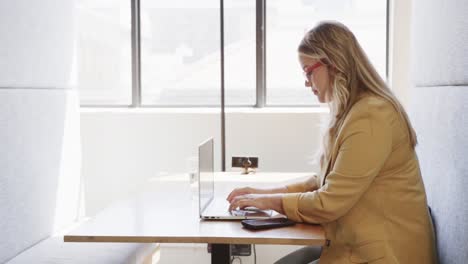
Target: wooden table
column 167, row 212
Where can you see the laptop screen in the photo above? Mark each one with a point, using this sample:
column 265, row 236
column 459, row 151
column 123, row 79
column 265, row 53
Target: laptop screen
column 205, row 173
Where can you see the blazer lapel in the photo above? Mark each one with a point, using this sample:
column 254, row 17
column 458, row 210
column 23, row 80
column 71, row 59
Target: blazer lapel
column 328, row 166
column 324, row 172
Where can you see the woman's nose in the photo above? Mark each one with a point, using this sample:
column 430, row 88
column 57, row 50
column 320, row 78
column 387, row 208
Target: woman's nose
column 307, row 83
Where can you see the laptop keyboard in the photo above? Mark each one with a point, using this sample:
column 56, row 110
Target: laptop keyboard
column 248, row 211
column 238, row 212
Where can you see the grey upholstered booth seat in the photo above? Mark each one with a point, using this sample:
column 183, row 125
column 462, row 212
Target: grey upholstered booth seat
column 439, row 112
column 40, row 138
column 440, row 38
column 55, row 251
column 440, row 119
column 32, row 124
column 39, row 189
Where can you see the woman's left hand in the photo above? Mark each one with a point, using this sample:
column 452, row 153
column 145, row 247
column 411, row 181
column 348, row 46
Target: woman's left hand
column 260, row 201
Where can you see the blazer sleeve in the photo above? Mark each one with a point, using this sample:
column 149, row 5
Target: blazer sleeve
column 365, row 146
column 310, row 184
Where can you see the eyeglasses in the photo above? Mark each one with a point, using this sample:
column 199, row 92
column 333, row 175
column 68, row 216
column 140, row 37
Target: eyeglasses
column 309, row 70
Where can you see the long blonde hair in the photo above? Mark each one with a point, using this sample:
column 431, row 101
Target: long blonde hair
column 351, row 75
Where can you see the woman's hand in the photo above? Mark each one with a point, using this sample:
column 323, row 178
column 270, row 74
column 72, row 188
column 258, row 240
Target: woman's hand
column 242, row 191
column 249, row 190
column 260, row 201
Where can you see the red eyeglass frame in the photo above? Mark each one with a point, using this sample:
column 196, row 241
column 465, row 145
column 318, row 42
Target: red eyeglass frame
column 309, row 69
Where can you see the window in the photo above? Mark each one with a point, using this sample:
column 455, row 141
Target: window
column 179, row 45
column 103, row 53
column 180, row 52
column 239, row 52
column 288, row 21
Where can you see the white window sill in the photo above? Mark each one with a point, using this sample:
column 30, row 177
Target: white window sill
column 207, row 110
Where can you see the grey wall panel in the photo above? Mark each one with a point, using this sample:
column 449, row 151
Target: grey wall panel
column 440, row 117
column 31, row 134
column 440, row 37
column 37, row 43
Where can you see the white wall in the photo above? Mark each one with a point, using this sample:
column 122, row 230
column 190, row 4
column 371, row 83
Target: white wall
column 123, row 149
column 399, row 48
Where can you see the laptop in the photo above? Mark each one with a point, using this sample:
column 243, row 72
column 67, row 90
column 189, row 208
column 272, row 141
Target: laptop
column 216, row 208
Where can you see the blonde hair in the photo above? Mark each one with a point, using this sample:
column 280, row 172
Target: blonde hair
column 351, row 74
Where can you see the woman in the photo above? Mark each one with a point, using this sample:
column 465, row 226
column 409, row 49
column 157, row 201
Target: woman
column 369, row 196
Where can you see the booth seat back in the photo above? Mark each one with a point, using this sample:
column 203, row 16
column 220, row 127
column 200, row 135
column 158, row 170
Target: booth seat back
column 39, row 180
column 439, row 112
column 33, row 182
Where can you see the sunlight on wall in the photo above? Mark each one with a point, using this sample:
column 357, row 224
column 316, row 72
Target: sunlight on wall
column 69, row 182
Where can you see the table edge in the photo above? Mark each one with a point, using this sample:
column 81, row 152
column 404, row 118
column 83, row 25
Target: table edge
column 182, row 239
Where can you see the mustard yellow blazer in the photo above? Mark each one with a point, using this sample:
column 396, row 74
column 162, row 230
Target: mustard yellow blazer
column 369, row 196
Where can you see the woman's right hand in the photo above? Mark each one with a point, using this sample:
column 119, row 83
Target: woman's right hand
column 242, row 191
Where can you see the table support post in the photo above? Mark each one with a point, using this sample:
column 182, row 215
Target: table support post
column 220, row 254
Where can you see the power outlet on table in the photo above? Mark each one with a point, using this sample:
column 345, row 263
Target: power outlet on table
column 248, row 164
column 240, row 162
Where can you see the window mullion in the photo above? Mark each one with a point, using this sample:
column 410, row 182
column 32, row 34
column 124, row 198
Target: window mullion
column 260, row 53
column 136, row 57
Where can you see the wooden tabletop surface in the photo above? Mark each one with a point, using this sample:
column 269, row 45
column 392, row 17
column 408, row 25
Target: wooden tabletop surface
column 167, row 212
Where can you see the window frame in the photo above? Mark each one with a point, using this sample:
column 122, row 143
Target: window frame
column 261, row 42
